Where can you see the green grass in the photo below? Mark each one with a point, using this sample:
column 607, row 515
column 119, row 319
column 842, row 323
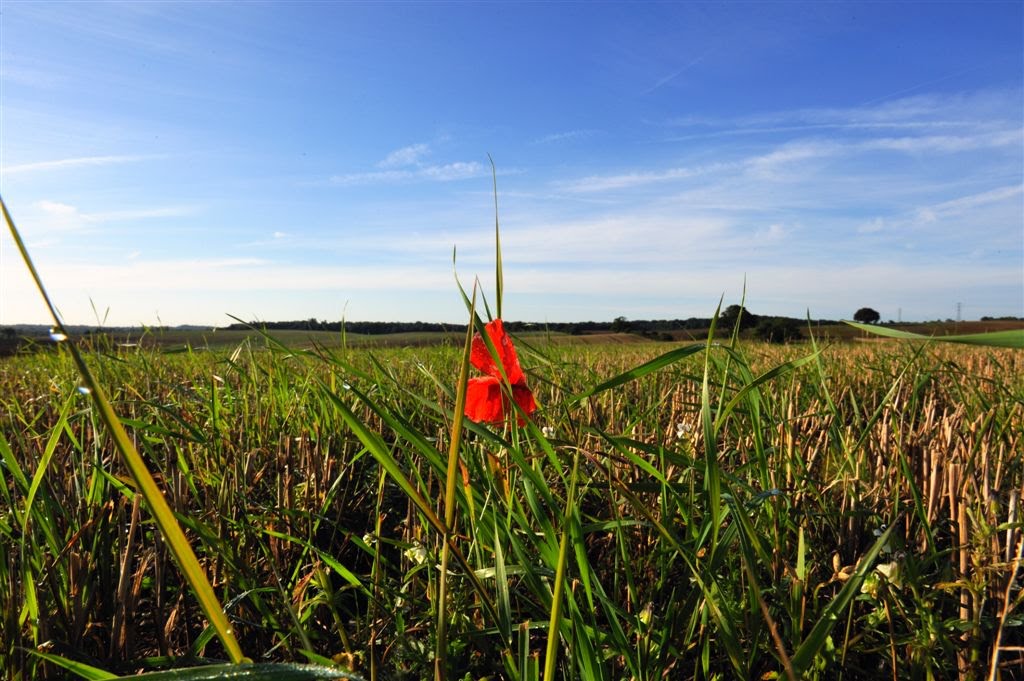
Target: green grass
column 715, row 510
column 723, row 523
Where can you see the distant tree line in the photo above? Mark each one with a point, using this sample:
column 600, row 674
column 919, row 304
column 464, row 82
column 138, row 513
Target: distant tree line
column 770, row 328
column 619, row 325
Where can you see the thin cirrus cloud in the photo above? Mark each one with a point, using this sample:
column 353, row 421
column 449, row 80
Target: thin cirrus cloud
column 567, row 135
column 601, row 183
column 47, row 219
column 238, row 274
column 969, row 111
column 460, row 170
column 969, row 205
column 71, row 163
column 966, row 203
column 406, row 165
column 766, row 164
column 405, row 156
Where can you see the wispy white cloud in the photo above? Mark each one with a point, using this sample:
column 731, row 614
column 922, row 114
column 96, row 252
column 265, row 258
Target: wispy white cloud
column 238, row 274
column 773, row 233
column 873, row 226
column 406, row 156
column 943, row 143
column 970, row 111
column 452, row 171
column 808, row 128
column 787, row 154
column 50, row 217
column 678, row 72
column 459, row 170
column 583, row 133
column 931, row 215
column 130, row 214
column 762, row 165
column 601, row 183
column 965, row 203
column 67, row 163
column 407, row 164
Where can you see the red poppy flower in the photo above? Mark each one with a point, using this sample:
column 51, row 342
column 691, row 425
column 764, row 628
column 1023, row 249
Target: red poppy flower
column 486, row 401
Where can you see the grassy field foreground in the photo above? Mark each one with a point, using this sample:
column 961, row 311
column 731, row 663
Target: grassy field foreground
column 748, row 512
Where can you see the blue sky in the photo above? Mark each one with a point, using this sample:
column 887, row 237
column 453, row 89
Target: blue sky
column 179, row 162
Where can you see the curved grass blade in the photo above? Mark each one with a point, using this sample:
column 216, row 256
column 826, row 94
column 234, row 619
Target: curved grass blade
column 775, row 372
column 162, row 514
column 249, row 672
column 80, row 668
column 1012, row 338
column 659, row 362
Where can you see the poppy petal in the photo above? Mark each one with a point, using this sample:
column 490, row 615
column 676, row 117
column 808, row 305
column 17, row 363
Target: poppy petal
column 524, row 398
column 484, row 401
column 482, row 359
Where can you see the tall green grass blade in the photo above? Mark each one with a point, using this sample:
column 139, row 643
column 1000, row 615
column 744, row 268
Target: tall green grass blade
column 815, row 640
column 1012, row 338
column 558, row 587
column 11, row 463
column 328, row 560
column 775, row 372
column 162, row 514
column 81, row 669
column 712, row 482
column 655, row 364
column 499, row 279
column 502, row 599
column 753, row 553
column 43, row 467
column 441, row 652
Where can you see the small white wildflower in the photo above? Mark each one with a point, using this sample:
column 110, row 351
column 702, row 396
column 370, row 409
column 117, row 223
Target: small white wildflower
column 886, row 548
column 417, row 553
column 682, row 430
column 549, row 432
column 891, row 572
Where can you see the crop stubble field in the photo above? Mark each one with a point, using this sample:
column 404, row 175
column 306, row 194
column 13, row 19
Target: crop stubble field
column 850, row 514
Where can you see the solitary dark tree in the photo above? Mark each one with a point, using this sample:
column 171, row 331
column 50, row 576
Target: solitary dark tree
column 866, row 315
column 727, row 318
